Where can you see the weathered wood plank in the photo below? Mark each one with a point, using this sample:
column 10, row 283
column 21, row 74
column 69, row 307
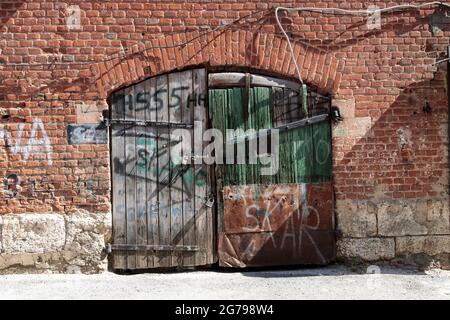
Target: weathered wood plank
column 296, row 105
column 237, row 79
column 118, row 181
column 141, row 174
column 216, row 100
column 176, row 185
column 130, row 170
column 203, row 213
column 188, row 100
column 263, row 100
column 154, row 200
column 237, row 120
column 151, row 145
column 321, row 137
column 164, row 202
column 210, row 218
column 279, row 108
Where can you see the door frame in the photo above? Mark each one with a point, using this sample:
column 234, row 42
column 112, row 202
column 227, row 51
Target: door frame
column 217, row 79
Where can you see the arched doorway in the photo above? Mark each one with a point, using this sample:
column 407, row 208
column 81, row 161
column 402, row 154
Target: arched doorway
column 180, row 199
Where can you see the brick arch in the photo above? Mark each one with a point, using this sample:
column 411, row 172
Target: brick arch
column 256, row 50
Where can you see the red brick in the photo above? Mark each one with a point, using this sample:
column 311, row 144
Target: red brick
column 376, row 72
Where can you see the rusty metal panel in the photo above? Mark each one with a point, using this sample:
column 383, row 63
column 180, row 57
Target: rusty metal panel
column 280, row 224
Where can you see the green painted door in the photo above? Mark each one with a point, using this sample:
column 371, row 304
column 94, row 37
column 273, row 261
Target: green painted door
column 286, row 217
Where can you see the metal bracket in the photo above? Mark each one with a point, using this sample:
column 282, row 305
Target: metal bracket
column 289, row 126
column 198, row 156
column 143, row 247
column 109, row 122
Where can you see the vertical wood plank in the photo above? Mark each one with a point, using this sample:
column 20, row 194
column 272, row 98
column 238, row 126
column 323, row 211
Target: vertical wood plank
column 203, row 214
column 164, row 203
column 251, row 124
column 234, row 113
column 216, row 99
column 130, row 170
column 118, row 180
column 282, row 176
column 141, row 168
column 155, row 201
column 279, row 108
column 152, row 174
column 263, row 99
column 294, row 105
column 296, row 102
column 188, row 103
column 223, row 102
column 176, row 177
column 322, row 166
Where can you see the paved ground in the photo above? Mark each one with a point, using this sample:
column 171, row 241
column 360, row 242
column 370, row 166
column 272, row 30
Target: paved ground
column 333, row 282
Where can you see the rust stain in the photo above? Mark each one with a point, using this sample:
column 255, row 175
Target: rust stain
column 277, row 225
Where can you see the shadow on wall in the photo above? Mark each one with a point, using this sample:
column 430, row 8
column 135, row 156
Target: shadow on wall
column 262, row 22
column 403, row 23
column 392, row 147
column 396, row 23
column 395, row 176
column 7, row 11
column 403, row 152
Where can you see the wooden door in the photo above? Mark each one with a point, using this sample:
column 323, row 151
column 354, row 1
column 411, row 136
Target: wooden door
column 287, row 217
column 162, row 213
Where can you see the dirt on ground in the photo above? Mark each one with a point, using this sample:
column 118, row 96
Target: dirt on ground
column 332, row 282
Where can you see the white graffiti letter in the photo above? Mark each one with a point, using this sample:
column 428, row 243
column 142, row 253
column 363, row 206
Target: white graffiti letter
column 35, row 143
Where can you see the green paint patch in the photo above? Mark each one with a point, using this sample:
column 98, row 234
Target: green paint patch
column 304, row 152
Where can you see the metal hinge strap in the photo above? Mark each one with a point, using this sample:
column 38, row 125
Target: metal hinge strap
column 143, row 247
column 109, row 122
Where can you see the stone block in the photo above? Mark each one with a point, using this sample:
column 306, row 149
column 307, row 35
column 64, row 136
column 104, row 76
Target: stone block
column 353, row 127
column 367, row 249
column 430, row 245
column 422, row 217
column 69, row 243
column 32, row 233
column 356, row 218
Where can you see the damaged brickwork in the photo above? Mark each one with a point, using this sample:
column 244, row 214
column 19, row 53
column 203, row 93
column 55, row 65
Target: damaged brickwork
column 59, row 63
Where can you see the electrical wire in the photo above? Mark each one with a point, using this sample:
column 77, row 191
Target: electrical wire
column 122, row 54
column 441, row 61
column 343, row 11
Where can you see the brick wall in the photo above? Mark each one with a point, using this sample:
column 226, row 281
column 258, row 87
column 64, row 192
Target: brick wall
column 390, row 152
